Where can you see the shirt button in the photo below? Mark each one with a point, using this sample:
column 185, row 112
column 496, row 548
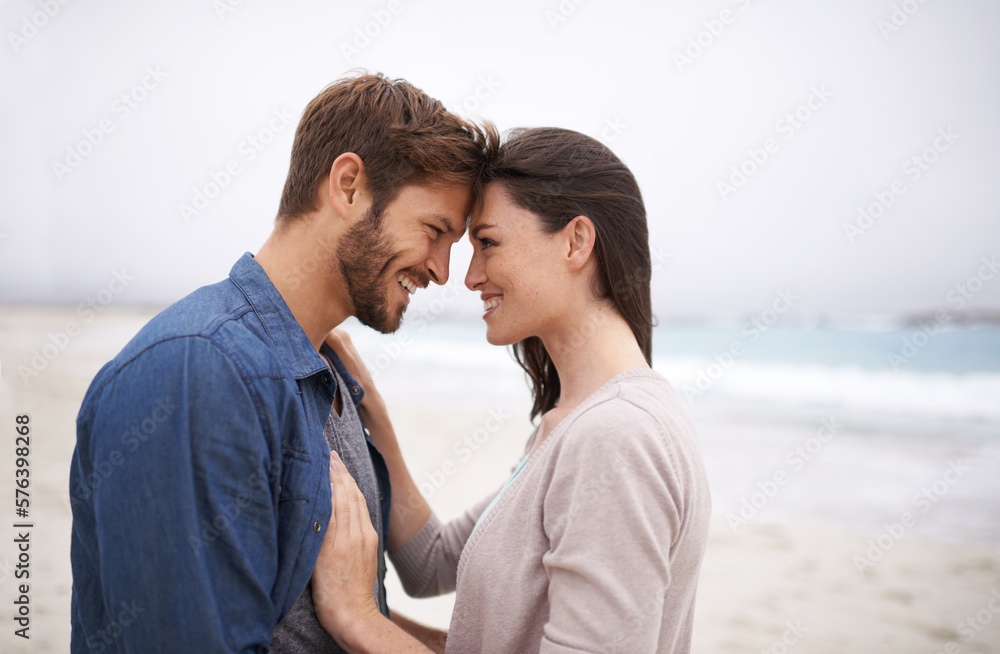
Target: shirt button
column 327, row 378
column 381, row 496
column 356, row 390
column 317, row 526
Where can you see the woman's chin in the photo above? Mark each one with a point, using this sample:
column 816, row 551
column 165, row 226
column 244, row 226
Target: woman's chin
column 496, row 337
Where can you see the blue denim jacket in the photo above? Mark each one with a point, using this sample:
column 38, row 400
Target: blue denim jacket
column 200, row 482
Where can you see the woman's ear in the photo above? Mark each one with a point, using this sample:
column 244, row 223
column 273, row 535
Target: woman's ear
column 581, row 236
column 345, row 185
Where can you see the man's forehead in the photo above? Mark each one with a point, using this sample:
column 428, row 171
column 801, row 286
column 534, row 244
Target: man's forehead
column 447, row 200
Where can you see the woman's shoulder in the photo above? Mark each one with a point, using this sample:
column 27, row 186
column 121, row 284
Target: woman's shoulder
column 641, row 398
column 635, row 435
column 636, row 415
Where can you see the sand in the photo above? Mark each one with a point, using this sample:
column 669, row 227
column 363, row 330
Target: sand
column 788, row 580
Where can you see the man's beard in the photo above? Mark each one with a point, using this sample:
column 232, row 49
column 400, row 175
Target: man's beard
column 360, row 253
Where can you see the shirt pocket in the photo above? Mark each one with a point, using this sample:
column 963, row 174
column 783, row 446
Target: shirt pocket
column 296, row 482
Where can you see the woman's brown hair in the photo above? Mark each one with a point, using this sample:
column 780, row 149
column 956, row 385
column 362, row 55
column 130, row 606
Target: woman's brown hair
column 559, row 174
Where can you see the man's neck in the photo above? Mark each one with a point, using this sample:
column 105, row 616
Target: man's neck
column 302, row 265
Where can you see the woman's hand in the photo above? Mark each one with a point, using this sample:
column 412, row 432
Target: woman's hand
column 410, row 510
column 343, row 582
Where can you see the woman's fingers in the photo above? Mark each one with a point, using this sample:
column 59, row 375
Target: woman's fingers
column 340, row 341
column 345, row 573
column 338, row 490
column 355, row 536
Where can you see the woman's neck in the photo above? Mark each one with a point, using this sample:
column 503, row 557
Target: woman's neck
column 597, row 347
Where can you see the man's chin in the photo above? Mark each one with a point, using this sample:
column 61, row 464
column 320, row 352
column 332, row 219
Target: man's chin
column 383, row 324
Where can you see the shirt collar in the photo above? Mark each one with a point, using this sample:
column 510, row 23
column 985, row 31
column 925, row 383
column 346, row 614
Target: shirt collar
column 357, row 393
column 285, row 333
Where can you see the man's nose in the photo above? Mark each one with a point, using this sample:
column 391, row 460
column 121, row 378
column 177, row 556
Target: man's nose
column 437, row 265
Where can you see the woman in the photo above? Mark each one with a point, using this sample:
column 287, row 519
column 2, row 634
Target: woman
column 595, row 542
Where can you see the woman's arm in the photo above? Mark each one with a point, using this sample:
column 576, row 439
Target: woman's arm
column 428, row 636
column 424, row 551
column 410, row 511
column 626, row 514
column 345, row 575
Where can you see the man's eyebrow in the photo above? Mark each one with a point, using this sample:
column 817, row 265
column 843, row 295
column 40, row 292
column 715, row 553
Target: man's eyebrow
column 444, row 224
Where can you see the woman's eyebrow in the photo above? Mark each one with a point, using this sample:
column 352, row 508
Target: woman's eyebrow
column 478, row 228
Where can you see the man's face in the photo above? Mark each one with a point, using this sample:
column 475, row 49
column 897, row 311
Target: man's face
column 384, row 259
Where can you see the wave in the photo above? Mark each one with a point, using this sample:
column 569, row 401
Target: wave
column 785, row 375
column 968, row 397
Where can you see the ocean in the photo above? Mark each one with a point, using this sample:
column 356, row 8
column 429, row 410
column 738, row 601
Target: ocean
column 905, row 406
column 903, row 377
column 861, row 426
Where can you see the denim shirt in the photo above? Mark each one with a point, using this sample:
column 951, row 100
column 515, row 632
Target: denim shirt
column 200, row 479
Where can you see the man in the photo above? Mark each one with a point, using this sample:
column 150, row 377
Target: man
column 200, row 480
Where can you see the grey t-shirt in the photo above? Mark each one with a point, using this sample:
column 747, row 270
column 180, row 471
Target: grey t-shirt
column 300, row 631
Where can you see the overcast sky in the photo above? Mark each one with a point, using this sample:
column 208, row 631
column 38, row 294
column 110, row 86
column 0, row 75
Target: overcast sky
column 758, row 132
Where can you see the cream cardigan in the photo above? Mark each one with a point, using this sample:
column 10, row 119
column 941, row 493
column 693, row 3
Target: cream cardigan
column 595, row 547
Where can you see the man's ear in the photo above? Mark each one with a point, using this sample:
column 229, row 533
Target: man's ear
column 580, row 238
column 346, row 188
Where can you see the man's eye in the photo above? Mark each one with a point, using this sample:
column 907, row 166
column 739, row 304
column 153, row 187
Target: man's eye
column 486, row 243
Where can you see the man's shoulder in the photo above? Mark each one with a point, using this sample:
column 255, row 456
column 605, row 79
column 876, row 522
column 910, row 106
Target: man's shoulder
column 216, row 317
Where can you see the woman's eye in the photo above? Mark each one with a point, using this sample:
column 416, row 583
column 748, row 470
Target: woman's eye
column 486, row 243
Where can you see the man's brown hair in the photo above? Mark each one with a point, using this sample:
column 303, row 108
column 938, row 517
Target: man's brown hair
column 402, row 135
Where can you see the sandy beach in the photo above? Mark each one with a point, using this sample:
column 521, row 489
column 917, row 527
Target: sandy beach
column 825, row 561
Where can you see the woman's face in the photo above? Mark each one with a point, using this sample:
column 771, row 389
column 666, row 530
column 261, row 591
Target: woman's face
column 516, row 269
